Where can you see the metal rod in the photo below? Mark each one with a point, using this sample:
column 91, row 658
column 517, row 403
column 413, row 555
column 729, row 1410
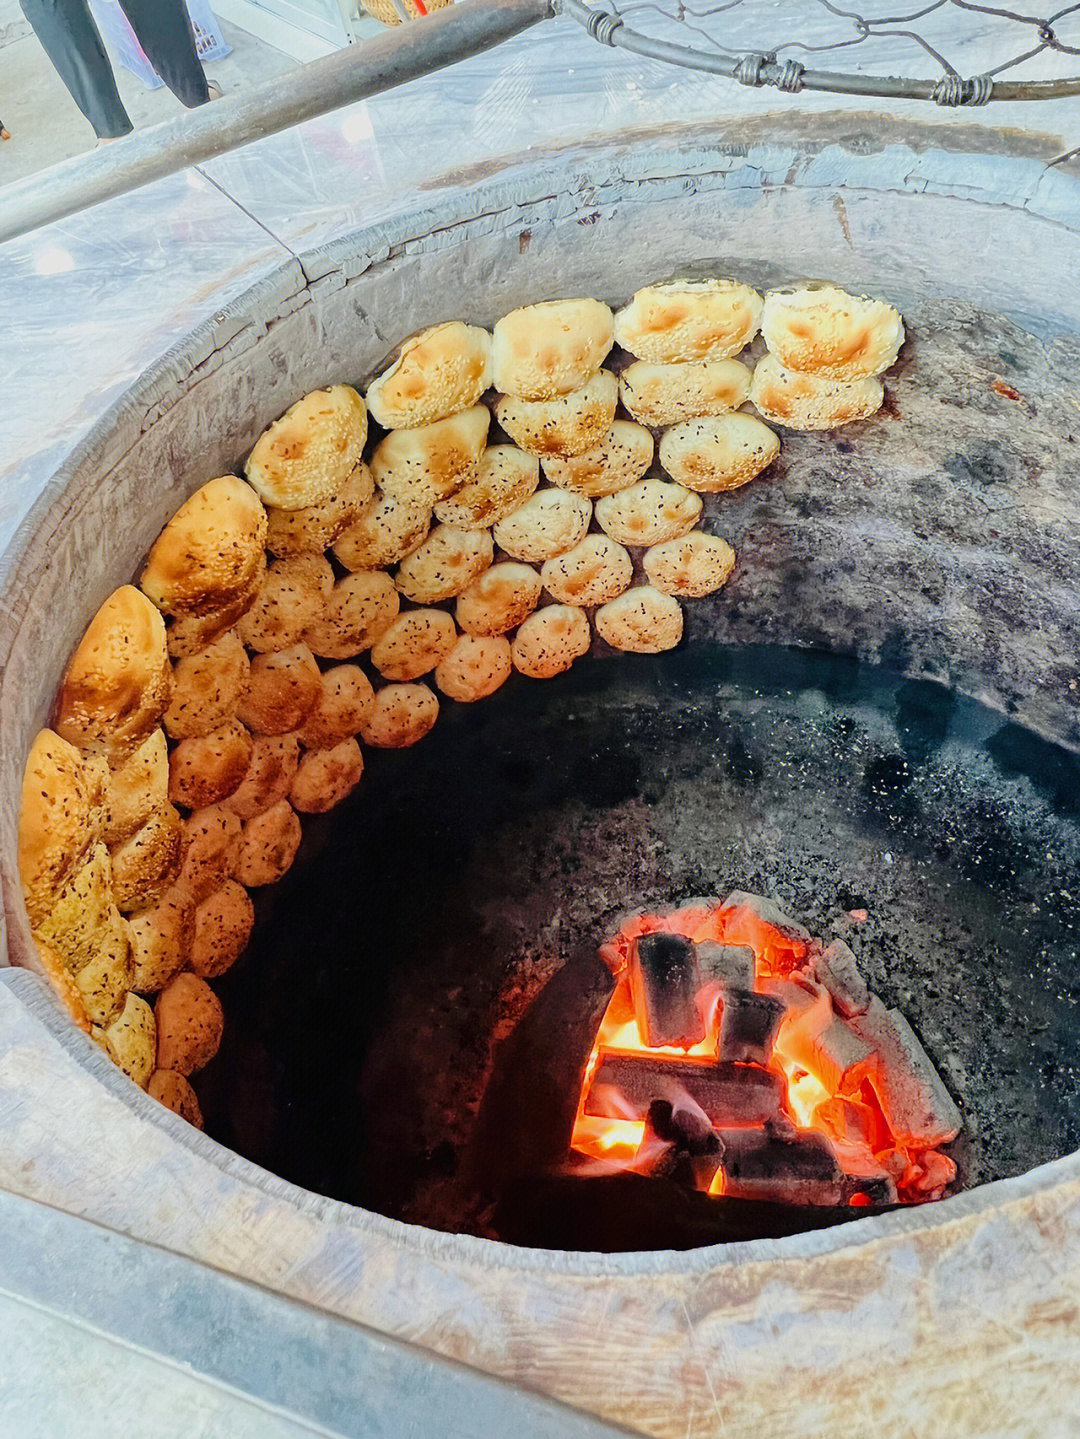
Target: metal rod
column 608, row 29
column 354, row 73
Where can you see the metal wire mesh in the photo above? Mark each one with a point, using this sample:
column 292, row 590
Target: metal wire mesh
column 952, row 52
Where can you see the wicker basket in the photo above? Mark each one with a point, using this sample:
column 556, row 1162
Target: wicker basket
column 384, row 10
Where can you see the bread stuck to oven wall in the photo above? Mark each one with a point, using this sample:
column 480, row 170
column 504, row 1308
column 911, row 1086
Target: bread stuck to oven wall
column 565, row 425
column 210, row 553
column 387, row 529
column 118, row 682
column 619, row 460
column 435, row 374
column 61, row 817
column 550, row 641
column 642, row 620
column 504, row 478
column 811, row 402
column 204, row 709
column 682, row 320
column 306, row 457
column 593, row 572
column 428, row 464
column 649, row 513
column 550, row 349
column 720, row 452
column 474, row 668
column 314, row 528
column 499, row 600
column 656, row 394
column 822, row 330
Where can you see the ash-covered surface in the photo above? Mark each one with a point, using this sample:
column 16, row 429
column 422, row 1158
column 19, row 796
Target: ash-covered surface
column 424, row 916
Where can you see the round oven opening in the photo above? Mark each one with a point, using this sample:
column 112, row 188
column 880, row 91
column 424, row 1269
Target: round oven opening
column 408, row 1025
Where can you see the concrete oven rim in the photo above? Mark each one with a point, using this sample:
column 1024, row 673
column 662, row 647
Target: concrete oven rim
column 466, row 1251
column 230, row 331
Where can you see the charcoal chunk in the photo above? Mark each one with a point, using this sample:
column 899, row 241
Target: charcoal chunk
column 730, row 1094
column 683, row 1122
column 778, row 941
column 658, row 1155
column 664, row 983
column 768, row 911
column 728, row 965
column 748, row 1025
column 871, row 1189
column 797, row 996
column 838, row 970
column 913, row 1098
column 759, row 1164
column 832, row 1051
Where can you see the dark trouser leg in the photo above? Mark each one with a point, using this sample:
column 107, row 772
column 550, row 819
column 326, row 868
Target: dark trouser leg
column 70, row 38
column 165, row 34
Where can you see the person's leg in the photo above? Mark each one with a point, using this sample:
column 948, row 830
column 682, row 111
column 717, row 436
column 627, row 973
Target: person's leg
column 165, row 34
column 70, row 38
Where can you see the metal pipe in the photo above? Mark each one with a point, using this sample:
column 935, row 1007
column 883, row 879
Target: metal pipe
column 354, row 73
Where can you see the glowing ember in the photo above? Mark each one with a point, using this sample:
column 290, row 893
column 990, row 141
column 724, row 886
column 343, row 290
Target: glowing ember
column 804, row 1087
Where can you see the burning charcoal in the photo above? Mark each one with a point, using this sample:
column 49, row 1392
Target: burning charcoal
column 758, row 1164
column 664, row 981
column 868, row 1189
column 930, row 1175
column 694, row 914
column 683, row 1121
column 832, row 1052
column 797, row 997
column 679, row 1143
column 748, row 1026
column 846, row 1120
column 703, row 1167
column 742, row 911
column 782, row 1126
column 767, row 910
column 730, row 1094
column 838, row 971
column 731, row 966
column 916, row 1105
column 779, row 944
column 658, row 1154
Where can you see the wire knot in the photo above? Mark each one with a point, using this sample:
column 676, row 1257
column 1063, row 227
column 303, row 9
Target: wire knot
column 790, row 78
column 949, row 90
column 602, row 26
column 982, row 88
column 748, row 71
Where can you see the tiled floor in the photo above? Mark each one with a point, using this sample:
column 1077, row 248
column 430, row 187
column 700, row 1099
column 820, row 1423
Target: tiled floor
column 45, row 125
